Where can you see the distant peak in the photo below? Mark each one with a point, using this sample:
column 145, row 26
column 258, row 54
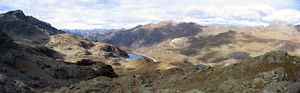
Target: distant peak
column 17, row 13
column 160, row 24
column 278, row 23
column 168, row 22
column 165, row 22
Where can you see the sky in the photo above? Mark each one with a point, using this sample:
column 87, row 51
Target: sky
column 91, row 14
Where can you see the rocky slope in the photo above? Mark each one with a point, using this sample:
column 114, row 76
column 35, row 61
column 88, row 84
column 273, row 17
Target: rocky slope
column 9, row 50
column 26, row 28
column 273, row 72
column 34, row 56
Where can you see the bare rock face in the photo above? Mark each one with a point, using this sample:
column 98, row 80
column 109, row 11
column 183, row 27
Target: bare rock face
column 26, row 28
column 8, row 50
column 181, row 42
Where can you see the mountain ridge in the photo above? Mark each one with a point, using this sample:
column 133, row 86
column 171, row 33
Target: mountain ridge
column 143, row 35
column 19, row 26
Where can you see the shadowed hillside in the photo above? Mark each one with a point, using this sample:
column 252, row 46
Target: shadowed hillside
column 152, row 34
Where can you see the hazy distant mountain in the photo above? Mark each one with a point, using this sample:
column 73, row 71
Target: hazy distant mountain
column 91, row 34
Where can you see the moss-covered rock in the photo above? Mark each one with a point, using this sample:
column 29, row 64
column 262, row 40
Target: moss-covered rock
column 227, row 85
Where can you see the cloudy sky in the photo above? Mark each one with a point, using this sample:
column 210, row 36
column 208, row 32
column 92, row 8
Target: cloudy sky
column 89, row 14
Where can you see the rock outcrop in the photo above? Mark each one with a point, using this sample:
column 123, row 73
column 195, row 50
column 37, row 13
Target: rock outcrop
column 84, row 69
column 180, row 42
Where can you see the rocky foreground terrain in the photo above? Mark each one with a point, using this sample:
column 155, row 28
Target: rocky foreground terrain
column 272, row 72
column 36, row 57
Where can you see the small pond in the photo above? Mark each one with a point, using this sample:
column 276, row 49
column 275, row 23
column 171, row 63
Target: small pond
column 134, row 56
column 202, row 66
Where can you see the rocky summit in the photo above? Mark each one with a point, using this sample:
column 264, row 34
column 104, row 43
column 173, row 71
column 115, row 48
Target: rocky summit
column 26, row 28
column 174, row 57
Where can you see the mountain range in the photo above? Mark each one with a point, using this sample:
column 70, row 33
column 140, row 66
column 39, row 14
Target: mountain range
column 36, row 57
column 171, row 41
column 91, row 34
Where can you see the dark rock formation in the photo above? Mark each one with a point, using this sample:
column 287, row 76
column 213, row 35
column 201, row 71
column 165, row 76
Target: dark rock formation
column 85, row 62
column 81, row 71
column 115, row 50
column 8, row 50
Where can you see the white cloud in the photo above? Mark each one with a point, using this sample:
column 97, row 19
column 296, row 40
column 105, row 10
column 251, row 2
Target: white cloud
column 89, row 14
column 286, row 15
